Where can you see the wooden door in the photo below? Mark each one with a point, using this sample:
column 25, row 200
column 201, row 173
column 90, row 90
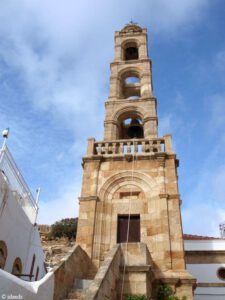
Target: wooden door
column 134, row 229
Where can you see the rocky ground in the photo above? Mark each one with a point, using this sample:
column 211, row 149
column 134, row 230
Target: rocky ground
column 55, row 250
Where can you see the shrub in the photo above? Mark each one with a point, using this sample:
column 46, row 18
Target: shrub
column 164, row 293
column 136, row 297
column 64, row 228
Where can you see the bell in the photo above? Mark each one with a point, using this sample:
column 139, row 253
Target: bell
column 135, row 129
column 131, row 53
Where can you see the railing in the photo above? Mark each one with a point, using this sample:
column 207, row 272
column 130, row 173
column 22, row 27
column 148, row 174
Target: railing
column 134, row 146
column 17, row 184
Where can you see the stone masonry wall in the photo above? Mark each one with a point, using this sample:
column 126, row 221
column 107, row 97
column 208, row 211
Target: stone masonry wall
column 154, row 181
column 76, row 265
column 104, row 284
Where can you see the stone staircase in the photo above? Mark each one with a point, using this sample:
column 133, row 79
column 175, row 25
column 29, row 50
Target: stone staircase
column 79, row 289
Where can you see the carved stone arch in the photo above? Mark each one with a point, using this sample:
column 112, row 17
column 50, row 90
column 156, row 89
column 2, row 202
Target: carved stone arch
column 147, row 183
column 126, row 182
column 123, row 117
column 129, row 111
column 135, row 71
column 106, row 217
column 130, row 40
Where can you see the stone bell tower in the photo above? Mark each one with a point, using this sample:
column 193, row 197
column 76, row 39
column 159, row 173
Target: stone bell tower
column 130, row 189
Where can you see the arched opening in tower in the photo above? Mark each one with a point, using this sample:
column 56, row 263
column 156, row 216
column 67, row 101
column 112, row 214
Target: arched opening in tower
column 131, row 128
column 131, row 51
column 131, row 86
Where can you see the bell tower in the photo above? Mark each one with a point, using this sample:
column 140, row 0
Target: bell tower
column 130, row 186
column 131, row 108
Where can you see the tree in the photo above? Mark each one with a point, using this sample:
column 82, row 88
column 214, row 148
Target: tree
column 64, row 228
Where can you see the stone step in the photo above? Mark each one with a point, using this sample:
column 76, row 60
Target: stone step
column 82, row 283
column 76, row 293
column 72, row 298
column 79, row 289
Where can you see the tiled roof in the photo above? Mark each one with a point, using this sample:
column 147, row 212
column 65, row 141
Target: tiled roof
column 200, row 237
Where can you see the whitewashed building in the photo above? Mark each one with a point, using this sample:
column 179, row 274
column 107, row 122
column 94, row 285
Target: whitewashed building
column 205, row 260
column 21, row 251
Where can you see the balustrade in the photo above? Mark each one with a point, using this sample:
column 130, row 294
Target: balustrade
column 134, row 146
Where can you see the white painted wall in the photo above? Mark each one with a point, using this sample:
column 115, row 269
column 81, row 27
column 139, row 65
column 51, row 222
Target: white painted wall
column 38, row 290
column 206, row 273
column 208, row 294
column 204, row 245
column 16, row 230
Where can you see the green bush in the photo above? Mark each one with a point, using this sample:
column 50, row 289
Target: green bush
column 64, row 228
column 164, row 293
column 136, row 297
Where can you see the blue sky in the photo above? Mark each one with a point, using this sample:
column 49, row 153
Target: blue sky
column 54, row 79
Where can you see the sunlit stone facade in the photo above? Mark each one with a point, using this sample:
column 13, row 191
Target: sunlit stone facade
column 130, row 178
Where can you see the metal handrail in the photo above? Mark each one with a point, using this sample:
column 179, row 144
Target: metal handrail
column 16, row 180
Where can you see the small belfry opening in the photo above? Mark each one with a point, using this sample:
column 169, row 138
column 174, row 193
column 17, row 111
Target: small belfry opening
column 131, row 128
column 130, row 86
column 131, row 51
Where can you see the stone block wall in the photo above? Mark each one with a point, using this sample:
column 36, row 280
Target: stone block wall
column 104, row 284
column 154, row 181
column 135, row 272
column 76, row 265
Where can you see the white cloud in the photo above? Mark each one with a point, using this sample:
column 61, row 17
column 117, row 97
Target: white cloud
column 202, row 219
column 58, row 54
column 218, row 184
column 165, row 124
column 216, row 107
column 61, row 52
column 66, row 205
column 203, row 205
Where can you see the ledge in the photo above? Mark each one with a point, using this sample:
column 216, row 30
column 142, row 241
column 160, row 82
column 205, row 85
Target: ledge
column 136, row 268
column 89, row 198
column 113, row 99
column 122, row 157
column 129, row 62
column 211, row 284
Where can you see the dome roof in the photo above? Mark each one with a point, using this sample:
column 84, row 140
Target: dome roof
column 132, row 27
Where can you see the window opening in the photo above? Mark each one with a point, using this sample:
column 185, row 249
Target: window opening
column 3, row 254
column 130, row 85
column 133, row 97
column 132, row 80
column 17, row 267
column 221, row 273
column 130, row 195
